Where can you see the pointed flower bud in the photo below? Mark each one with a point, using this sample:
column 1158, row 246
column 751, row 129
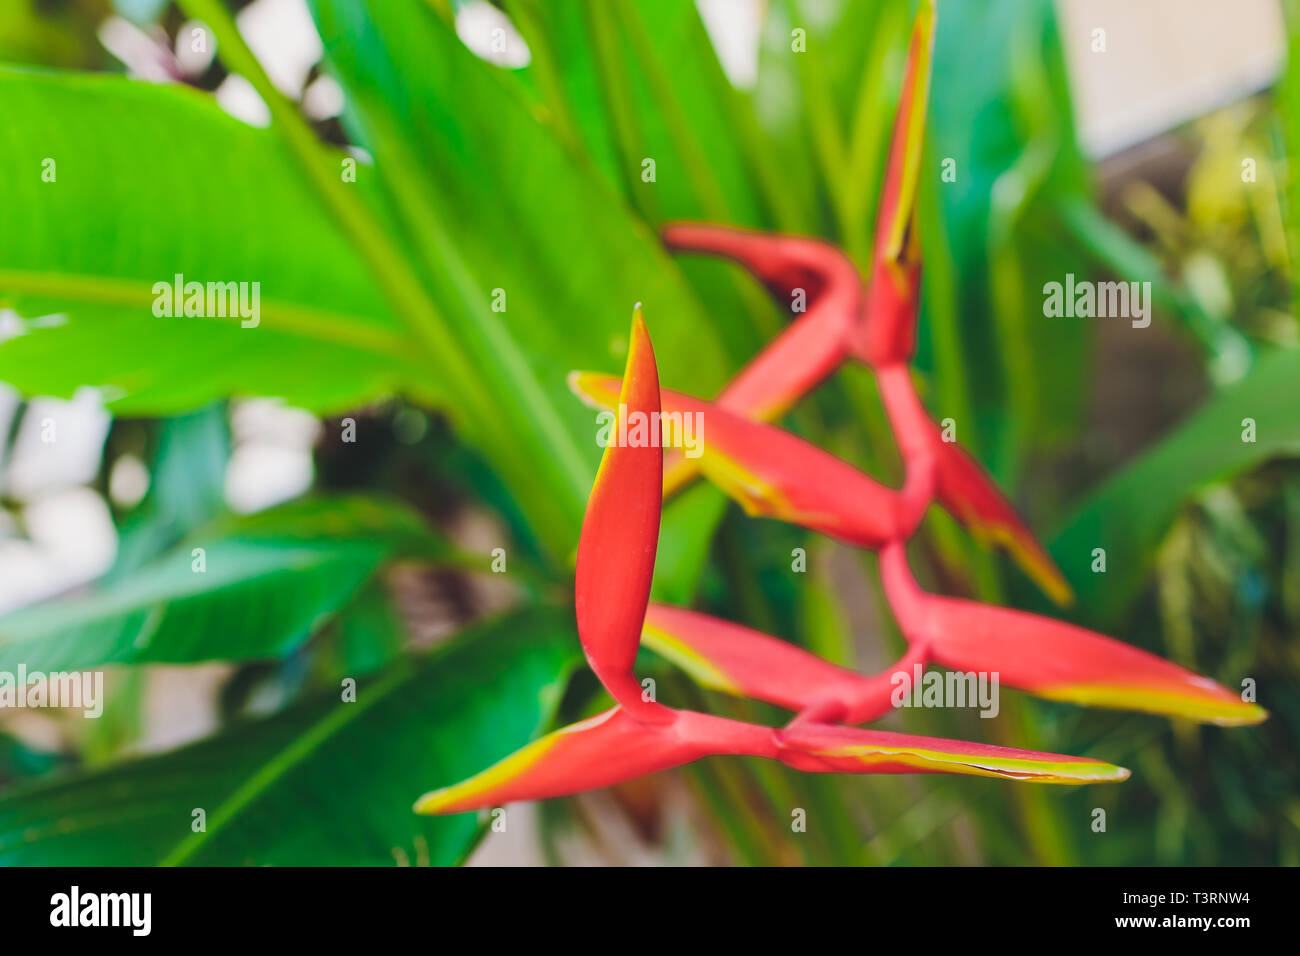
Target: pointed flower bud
column 620, row 533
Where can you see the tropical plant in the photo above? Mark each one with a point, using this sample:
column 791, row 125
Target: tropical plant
column 433, row 265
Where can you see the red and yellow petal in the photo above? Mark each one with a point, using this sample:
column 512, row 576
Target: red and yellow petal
column 888, row 330
column 782, row 262
column 603, row 750
column 746, row 663
column 1064, row 662
column 831, row 748
column 969, row 494
column 775, row 474
column 814, row 345
column 613, row 747
column 598, row 389
column 804, row 354
column 907, row 143
column 620, row 530
column 743, row 662
column 785, row 371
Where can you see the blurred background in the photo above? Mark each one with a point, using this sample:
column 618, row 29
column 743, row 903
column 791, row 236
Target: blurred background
column 350, row 495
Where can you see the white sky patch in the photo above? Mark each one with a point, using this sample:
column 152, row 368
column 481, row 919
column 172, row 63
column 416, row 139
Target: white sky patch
column 71, row 540
column 195, row 47
column 734, row 27
column 143, row 56
column 323, row 99
column 272, row 458
column 238, row 98
column 128, row 481
column 283, row 37
column 490, row 35
column 59, row 444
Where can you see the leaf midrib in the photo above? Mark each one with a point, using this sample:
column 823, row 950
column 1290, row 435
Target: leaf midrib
column 297, row 751
column 342, row 328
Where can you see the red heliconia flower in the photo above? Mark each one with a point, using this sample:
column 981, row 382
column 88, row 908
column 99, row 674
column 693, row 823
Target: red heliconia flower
column 775, row 474
column 615, row 561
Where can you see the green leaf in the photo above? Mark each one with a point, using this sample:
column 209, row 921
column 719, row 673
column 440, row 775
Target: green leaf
column 1114, row 249
column 370, row 633
column 154, row 181
column 685, row 537
column 268, row 581
column 825, row 98
column 326, row 783
column 1130, row 512
column 1289, row 111
column 448, row 132
column 1000, row 110
column 629, row 82
column 186, row 487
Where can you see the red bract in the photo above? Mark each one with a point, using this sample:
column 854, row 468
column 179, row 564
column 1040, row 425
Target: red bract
column 961, row 485
column 616, row 552
column 799, row 358
column 1047, row 658
column 746, row 663
column 1051, row 658
column 613, row 747
column 776, row 474
column 832, row 748
column 768, row 470
column 887, row 332
column 809, row 350
column 605, row 749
